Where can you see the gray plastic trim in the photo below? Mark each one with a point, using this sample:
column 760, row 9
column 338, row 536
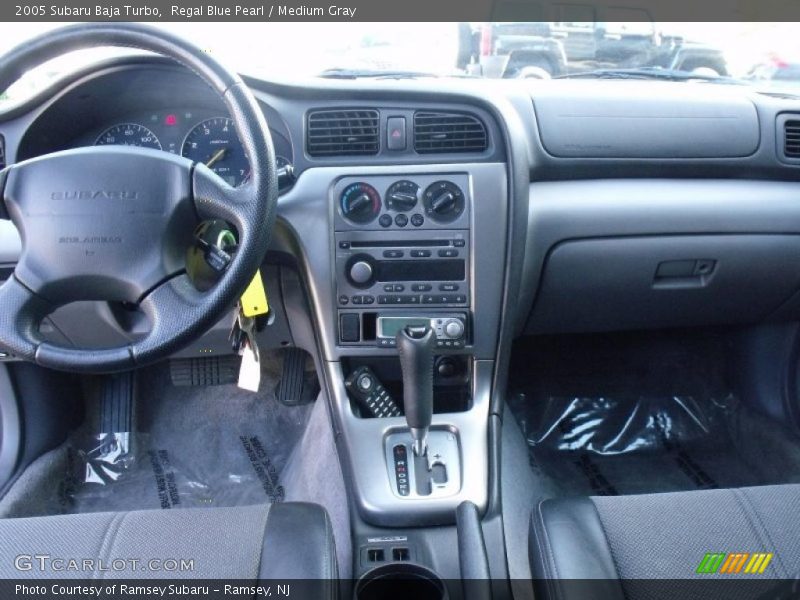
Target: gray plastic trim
column 679, row 121
column 568, row 210
column 10, row 427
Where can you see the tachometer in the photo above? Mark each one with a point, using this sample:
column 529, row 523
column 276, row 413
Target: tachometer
column 129, row 134
column 215, row 143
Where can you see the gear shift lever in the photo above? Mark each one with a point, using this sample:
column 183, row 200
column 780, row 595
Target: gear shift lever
column 416, row 344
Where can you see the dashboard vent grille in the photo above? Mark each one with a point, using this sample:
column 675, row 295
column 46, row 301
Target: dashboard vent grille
column 448, row 132
column 791, row 138
column 342, row 132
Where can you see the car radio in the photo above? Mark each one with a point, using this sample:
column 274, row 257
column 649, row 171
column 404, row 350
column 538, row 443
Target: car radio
column 419, row 269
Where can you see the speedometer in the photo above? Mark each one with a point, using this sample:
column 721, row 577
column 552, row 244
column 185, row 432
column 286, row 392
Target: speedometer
column 214, row 142
column 129, row 134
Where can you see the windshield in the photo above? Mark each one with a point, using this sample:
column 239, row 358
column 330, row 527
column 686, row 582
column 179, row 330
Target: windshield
column 624, row 44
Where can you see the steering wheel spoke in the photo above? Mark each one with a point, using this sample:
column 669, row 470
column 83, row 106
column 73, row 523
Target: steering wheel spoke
column 174, row 305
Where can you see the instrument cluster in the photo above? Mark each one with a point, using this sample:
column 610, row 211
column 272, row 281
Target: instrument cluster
column 200, row 135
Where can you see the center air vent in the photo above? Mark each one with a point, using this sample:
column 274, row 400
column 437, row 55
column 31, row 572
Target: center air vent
column 342, row 132
column 436, row 132
column 791, row 138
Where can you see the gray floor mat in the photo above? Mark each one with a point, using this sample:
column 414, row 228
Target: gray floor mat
column 193, row 447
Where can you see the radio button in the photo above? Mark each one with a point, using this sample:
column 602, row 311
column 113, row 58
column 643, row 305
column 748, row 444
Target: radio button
column 389, row 287
column 420, row 253
column 449, row 253
column 399, row 287
column 385, row 221
column 393, row 254
column 350, row 327
column 357, row 299
column 368, row 299
column 417, row 220
column 459, row 243
column 448, row 287
column 421, row 287
column 459, row 299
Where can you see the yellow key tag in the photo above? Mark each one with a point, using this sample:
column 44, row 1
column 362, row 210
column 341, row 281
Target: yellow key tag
column 254, row 300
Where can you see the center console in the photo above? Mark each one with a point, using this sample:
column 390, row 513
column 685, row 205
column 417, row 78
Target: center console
column 417, row 249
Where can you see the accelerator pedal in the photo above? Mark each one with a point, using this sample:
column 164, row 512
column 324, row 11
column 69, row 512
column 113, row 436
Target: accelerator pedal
column 296, row 387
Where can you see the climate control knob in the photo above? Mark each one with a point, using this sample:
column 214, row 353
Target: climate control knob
column 360, row 202
column 453, row 329
column 444, row 201
column 402, row 195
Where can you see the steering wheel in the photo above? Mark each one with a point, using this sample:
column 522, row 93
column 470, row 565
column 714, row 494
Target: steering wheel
column 113, row 223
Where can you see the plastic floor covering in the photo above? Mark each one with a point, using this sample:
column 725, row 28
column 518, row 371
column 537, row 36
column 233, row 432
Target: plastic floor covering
column 192, row 447
column 611, row 416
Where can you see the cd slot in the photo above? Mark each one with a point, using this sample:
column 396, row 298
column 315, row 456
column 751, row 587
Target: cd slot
column 400, row 243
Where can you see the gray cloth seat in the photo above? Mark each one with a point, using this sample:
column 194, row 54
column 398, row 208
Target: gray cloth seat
column 272, row 541
column 623, row 543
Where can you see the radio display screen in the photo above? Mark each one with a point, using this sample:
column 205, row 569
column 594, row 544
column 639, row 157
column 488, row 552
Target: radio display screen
column 421, row 270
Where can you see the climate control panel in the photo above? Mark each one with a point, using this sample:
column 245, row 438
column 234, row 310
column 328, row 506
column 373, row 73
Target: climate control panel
column 402, row 202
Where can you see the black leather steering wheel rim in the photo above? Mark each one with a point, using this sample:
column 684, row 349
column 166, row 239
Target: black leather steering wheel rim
column 178, row 312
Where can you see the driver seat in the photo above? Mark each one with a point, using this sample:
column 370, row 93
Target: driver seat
column 246, row 544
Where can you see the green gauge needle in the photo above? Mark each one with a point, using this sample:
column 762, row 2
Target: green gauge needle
column 216, row 157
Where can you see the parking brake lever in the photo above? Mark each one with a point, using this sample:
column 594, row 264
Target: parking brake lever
column 415, row 345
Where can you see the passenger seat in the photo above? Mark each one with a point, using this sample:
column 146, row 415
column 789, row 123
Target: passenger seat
column 627, row 541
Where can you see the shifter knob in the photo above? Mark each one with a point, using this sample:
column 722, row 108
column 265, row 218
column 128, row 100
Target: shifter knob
column 416, row 345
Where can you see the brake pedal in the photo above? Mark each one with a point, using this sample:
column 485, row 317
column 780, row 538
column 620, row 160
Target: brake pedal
column 116, row 403
column 295, row 388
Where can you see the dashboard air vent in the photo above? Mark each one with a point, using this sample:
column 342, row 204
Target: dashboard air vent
column 436, row 132
column 342, row 132
column 791, row 138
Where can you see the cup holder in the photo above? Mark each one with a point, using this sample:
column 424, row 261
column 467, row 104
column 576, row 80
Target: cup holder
column 400, row 581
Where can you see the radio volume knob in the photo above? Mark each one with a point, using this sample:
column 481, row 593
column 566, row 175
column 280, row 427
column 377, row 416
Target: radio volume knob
column 361, row 272
column 453, row 329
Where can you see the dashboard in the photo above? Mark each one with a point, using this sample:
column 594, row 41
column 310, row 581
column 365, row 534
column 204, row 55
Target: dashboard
column 586, row 188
